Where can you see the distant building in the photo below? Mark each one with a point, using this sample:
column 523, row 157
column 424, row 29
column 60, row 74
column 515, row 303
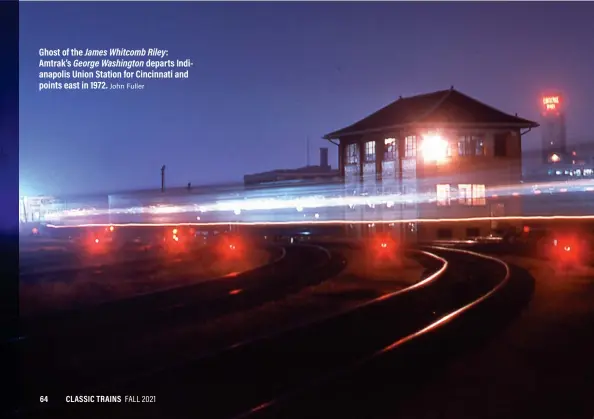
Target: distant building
column 441, row 154
column 553, row 131
column 577, row 163
column 561, row 172
column 320, row 173
column 582, row 154
column 559, row 161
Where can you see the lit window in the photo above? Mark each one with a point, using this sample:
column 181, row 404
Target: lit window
column 390, row 151
column 478, row 195
column 443, row 195
column 471, row 194
column 434, row 148
column 410, row 144
column 370, row 151
column 465, row 194
column 352, row 153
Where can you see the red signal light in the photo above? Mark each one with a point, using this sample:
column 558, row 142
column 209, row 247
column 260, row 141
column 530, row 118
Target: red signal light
column 385, row 243
column 567, row 249
column 96, row 245
column 383, row 249
column 231, row 247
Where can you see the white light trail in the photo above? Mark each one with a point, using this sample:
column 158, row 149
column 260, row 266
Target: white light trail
column 275, row 201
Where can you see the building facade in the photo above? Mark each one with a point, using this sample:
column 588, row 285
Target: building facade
column 319, row 173
column 442, row 155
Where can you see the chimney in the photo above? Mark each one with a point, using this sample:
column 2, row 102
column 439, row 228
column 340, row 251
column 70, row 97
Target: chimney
column 324, row 157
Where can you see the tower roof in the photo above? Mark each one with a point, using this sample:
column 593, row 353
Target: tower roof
column 442, row 108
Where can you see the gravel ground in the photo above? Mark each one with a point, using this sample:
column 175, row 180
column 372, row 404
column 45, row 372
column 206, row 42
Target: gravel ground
column 53, row 290
column 41, row 259
column 541, row 366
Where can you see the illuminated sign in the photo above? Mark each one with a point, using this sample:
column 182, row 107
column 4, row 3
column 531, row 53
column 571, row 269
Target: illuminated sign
column 551, row 103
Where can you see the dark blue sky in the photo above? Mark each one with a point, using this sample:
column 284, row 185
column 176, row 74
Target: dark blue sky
column 267, row 75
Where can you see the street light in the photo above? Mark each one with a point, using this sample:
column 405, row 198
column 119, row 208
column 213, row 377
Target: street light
column 434, row 148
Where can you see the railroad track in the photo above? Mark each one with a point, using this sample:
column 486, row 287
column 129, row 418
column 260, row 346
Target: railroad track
column 373, row 386
column 267, row 375
column 298, row 403
column 64, row 353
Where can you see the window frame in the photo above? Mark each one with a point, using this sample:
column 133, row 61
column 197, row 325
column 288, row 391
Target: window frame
column 466, row 198
column 480, row 140
column 352, row 153
column 475, row 195
column 468, row 145
column 446, row 200
column 390, row 155
column 370, row 152
column 410, row 146
column 479, row 200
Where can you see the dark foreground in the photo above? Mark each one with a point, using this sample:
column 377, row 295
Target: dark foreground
column 525, row 352
column 227, row 383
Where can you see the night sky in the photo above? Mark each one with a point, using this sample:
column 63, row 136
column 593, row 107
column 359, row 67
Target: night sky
column 268, row 75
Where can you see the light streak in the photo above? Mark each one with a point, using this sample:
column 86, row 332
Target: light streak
column 240, row 206
column 342, row 222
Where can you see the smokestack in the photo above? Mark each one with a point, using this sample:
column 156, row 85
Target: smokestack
column 324, row 157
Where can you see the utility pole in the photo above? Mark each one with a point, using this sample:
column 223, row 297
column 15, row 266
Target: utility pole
column 308, row 151
column 163, row 178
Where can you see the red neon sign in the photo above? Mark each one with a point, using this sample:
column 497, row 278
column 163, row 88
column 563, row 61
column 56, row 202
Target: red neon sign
column 551, row 103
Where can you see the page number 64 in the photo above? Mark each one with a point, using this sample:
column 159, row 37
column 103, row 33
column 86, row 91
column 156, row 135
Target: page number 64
column 43, row 399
